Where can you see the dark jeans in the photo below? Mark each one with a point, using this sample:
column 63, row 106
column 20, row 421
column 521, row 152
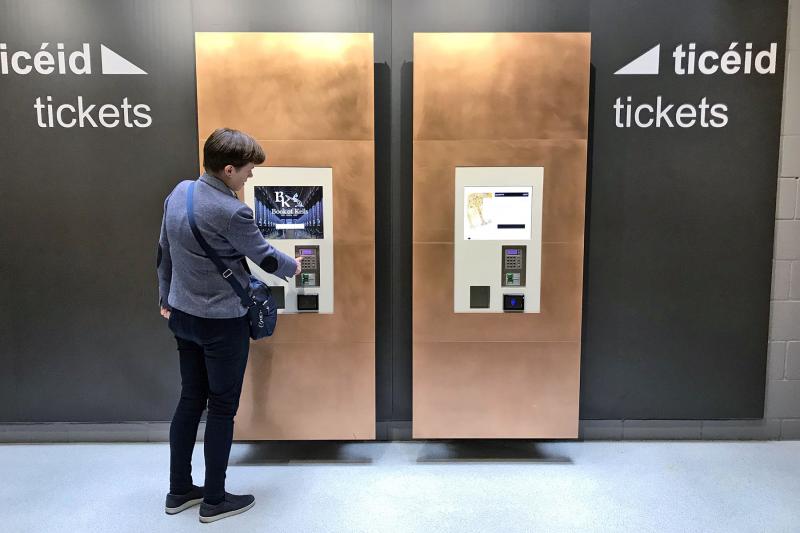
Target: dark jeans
column 213, row 356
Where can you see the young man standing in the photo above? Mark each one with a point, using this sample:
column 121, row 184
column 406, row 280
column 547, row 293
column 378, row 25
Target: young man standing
column 207, row 317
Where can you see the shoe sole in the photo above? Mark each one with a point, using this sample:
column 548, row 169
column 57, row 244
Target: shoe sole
column 209, row 519
column 176, row 510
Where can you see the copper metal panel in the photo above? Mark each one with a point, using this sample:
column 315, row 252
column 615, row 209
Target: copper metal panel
column 308, row 99
column 564, row 163
column 523, row 390
column 308, row 391
column 501, row 85
column 561, row 301
column 499, row 100
column 286, row 85
column 353, row 318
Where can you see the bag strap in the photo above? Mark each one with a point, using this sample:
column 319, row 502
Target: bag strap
column 226, row 272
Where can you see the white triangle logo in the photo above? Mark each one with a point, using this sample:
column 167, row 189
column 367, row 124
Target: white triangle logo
column 647, row 63
column 113, row 63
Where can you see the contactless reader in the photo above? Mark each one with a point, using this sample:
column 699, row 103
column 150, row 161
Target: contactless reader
column 514, row 303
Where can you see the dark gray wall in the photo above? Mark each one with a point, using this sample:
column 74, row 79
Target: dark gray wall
column 679, row 223
column 81, row 336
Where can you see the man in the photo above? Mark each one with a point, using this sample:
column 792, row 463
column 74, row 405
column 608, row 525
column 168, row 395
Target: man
column 207, row 317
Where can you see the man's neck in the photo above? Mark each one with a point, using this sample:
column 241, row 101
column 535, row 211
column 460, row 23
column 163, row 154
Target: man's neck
column 224, row 181
column 221, row 178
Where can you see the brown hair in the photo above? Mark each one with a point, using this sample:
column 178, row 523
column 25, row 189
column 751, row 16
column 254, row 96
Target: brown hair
column 231, row 147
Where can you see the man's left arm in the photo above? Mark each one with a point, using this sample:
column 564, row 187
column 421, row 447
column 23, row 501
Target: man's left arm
column 164, row 262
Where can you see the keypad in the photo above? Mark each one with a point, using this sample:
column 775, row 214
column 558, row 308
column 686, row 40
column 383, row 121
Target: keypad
column 512, row 262
column 309, row 264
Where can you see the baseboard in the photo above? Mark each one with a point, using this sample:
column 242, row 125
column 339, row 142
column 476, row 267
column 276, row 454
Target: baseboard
column 590, row 430
column 75, row 432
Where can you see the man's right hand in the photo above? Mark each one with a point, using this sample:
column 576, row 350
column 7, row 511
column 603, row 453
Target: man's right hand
column 298, row 260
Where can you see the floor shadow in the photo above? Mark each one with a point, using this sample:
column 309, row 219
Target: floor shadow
column 488, row 450
column 298, row 452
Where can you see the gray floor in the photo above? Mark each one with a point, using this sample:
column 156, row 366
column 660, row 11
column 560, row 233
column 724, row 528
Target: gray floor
column 417, row 486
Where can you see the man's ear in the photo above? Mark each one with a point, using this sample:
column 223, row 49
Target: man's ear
column 229, row 169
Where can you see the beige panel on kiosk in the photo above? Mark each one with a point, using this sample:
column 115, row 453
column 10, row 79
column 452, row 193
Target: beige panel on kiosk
column 309, row 100
column 488, row 100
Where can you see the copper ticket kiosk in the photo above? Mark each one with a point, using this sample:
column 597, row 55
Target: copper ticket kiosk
column 309, row 100
column 500, row 150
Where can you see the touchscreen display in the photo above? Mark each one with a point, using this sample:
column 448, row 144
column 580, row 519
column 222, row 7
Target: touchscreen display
column 497, row 213
column 290, row 212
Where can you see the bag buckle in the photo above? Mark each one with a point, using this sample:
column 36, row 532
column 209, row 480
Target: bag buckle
column 227, row 273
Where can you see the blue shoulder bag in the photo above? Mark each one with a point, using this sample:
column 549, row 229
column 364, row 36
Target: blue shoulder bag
column 262, row 312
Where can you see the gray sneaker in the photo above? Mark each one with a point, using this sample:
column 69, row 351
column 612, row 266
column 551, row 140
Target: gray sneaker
column 231, row 505
column 180, row 502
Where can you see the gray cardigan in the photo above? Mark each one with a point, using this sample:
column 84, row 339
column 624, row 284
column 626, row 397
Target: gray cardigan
column 187, row 279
